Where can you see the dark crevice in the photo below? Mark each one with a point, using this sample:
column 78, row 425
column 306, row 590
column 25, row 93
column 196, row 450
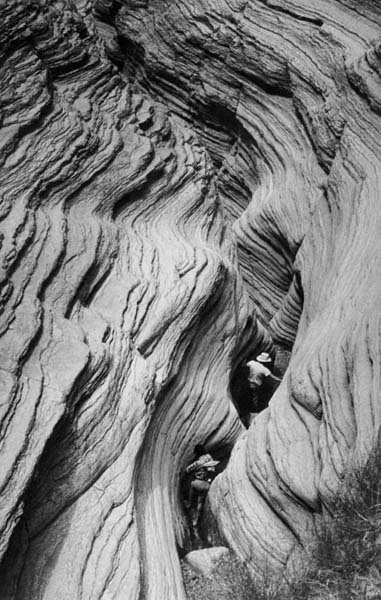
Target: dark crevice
column 15, row 557
column 107, row 11
column 12, row 563
column 90, row 284
column 278, row 88
column 44, row 470
column 304, row 18
column 133, row 58
column 199, row 528
column 248, row 403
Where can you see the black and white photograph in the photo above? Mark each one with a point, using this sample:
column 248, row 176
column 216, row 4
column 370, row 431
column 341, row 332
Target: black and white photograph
column 190, row 299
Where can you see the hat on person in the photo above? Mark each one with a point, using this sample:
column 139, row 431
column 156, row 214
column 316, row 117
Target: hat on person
column 211, row 463
column 264, row 357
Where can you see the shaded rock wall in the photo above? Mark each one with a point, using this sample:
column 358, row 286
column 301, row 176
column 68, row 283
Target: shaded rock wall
column 122, row 313
column 136, row 244
column 302, row 87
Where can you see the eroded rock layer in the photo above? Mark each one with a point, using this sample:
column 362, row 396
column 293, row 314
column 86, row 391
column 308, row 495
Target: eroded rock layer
column 181, row 183
column 122, row 313
column 298, row 88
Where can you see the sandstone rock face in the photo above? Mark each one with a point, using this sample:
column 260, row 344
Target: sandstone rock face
column 182, row 184
column 122, row 314
column 286, row 97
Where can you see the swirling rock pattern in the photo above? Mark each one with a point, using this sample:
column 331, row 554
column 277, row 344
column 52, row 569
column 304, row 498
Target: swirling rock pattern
column 117, row 266
column 182, row 183
column 302, row 87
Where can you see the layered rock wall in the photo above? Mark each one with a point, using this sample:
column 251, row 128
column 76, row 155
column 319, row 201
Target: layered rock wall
column 301, row 87
column 182, row 183
column 122, row 313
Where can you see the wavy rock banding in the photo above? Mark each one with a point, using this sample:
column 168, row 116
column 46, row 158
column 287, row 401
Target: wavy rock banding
column 181, row 186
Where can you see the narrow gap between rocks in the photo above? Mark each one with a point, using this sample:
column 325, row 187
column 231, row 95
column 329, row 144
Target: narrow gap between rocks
column 233, row 152
column 247, row 404
column 193, row 512
column 209, row 568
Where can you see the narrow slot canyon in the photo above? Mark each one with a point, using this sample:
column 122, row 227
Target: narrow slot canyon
column 184, row 187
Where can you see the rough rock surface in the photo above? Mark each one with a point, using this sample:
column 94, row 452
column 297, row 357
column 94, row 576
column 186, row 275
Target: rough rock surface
column 182, row 184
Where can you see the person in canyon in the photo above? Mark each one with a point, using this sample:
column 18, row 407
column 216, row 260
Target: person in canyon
column 262, row 382
column 201, row 472
column 259, row 369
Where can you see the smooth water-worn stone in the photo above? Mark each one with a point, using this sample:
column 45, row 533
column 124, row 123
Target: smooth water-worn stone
column 205, row 561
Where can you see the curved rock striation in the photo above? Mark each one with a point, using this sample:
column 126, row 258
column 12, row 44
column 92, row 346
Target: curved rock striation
column 182, row 184
column 286, row 98
column 122, row 314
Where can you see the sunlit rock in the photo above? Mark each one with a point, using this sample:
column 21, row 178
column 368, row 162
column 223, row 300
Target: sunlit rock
column 204, row 562
column 183, row 184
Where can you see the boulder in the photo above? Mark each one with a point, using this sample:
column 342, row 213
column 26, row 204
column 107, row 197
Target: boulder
column 205, row 561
